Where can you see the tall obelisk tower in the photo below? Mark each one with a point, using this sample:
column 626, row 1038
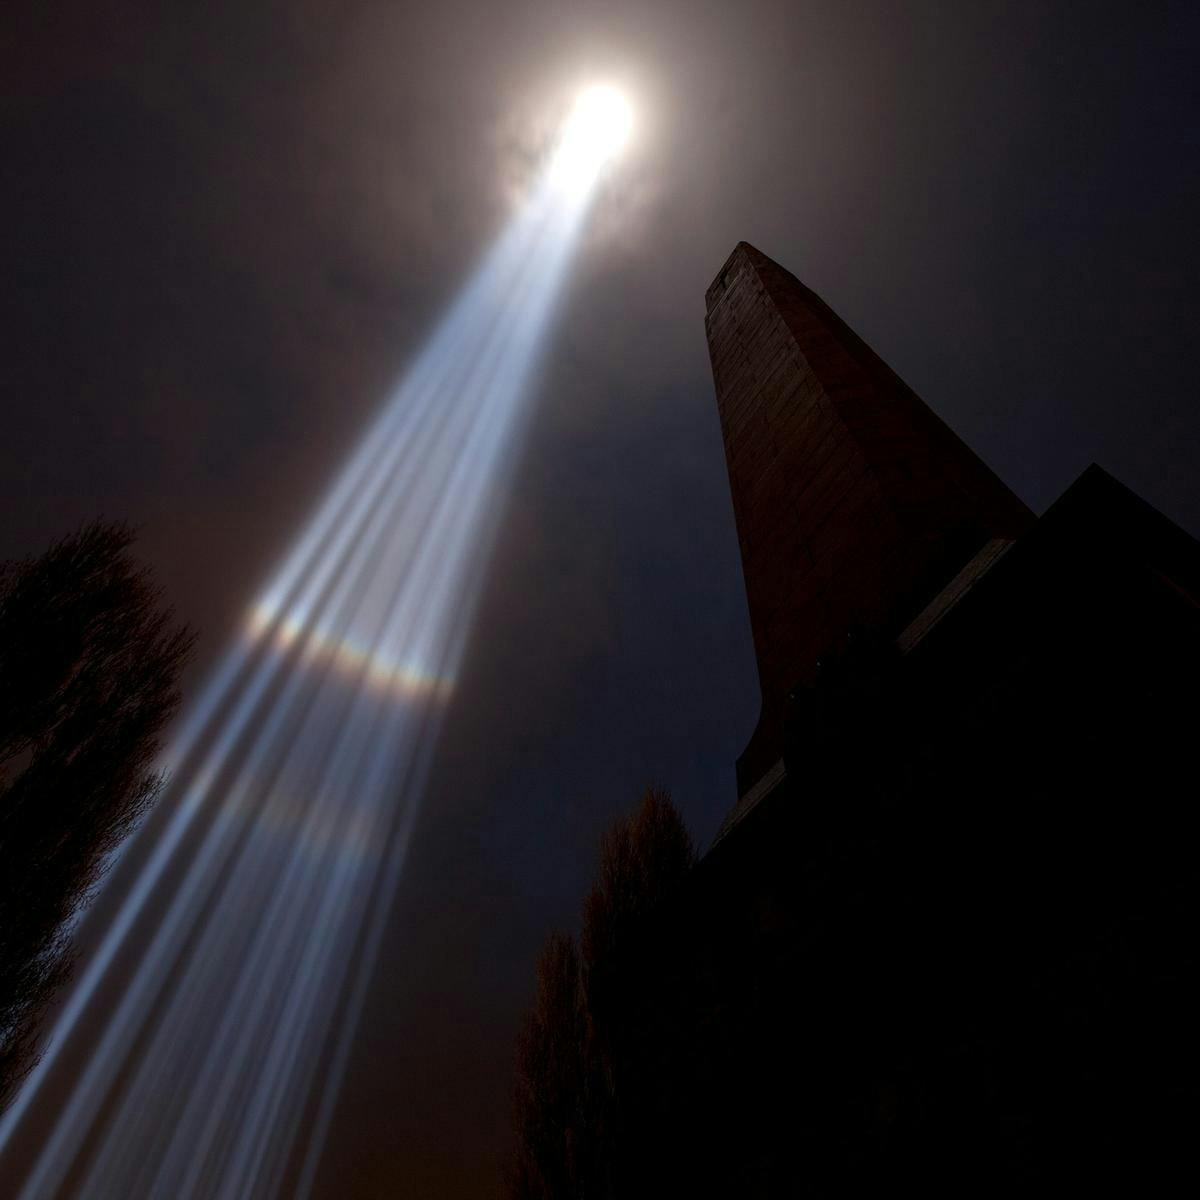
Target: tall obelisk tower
column 854, row 503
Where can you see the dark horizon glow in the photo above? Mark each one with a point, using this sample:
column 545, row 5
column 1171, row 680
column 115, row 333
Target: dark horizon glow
column 209, row 1024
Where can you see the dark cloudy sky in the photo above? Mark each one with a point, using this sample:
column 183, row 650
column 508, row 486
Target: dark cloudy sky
column 227, row 227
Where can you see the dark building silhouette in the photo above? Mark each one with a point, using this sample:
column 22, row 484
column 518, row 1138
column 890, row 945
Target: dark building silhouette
column 946, row 942
column 854, row 502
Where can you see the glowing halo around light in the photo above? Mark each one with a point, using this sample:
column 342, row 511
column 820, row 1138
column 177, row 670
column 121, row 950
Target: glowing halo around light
column 200, row 1049
column 594, row 133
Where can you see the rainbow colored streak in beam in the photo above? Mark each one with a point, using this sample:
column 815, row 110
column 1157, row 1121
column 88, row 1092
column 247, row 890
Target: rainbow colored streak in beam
column 347, row 656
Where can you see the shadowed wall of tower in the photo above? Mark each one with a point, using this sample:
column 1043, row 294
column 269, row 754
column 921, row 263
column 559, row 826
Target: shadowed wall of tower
column 854, row 503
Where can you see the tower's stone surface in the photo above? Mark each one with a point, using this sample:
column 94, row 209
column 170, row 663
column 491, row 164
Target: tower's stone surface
column 854, row 503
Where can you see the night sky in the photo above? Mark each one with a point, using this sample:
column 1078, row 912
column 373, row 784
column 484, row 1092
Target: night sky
column 228, row 227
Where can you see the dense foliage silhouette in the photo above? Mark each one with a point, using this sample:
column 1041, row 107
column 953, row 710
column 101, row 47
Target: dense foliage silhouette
column 89, row 663
column 577, row 1092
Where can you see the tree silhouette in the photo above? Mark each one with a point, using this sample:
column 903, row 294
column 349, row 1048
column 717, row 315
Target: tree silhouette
column 578, row 1092
column 548, row 1101
column 89, row 664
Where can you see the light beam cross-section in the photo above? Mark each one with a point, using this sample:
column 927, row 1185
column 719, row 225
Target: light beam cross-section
column 200, row 1049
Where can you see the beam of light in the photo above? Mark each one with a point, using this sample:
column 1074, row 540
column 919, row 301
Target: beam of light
column 200, row 1050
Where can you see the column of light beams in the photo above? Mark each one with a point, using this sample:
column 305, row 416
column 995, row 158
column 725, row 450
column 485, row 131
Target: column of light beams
column 209, row 1024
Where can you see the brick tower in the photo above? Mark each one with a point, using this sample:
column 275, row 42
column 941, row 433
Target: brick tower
column 855, row 504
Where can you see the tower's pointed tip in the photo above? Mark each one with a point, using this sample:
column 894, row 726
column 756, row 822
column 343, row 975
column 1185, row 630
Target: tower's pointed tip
column 745, row 251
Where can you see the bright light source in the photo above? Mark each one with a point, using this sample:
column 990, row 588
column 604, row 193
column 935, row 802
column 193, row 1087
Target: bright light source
column 595, row 131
